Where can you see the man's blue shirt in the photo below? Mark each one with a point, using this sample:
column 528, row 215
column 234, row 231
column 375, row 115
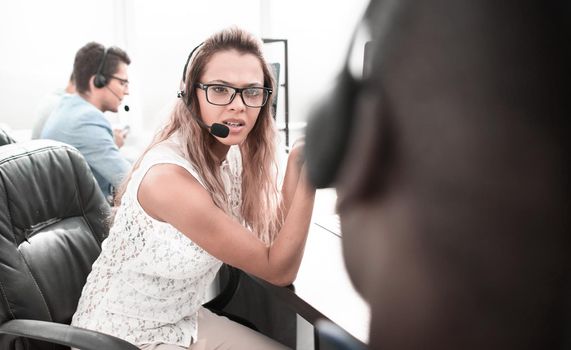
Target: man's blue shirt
column 80, row 124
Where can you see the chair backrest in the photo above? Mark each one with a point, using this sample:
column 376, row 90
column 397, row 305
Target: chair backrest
column 53, row 218
column 5, row 139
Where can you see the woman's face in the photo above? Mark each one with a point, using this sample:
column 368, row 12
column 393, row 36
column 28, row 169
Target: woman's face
column 236, row 70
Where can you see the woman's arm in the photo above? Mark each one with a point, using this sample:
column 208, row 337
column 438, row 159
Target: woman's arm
column 171, row 194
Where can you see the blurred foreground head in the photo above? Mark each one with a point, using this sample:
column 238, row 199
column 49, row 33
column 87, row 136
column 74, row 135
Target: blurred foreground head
column 451, row 165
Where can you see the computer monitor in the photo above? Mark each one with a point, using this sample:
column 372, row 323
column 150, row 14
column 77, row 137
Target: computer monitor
column 276, row 72
column 367, row 58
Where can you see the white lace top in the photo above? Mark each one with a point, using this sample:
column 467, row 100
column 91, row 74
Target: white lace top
column 150, row 280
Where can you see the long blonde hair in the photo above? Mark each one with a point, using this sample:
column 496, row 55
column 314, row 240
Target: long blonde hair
column 260, row 196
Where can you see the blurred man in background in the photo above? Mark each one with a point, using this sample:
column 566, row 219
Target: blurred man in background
column 101, row 82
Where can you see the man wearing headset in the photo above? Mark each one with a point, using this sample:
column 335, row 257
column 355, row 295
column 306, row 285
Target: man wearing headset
column 101, row 82
column 451, row 164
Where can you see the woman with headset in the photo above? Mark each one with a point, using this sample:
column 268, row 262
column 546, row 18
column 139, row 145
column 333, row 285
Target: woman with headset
column 203, row 193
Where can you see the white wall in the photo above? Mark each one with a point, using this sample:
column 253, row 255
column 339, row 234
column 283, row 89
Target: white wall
column 38, row 40
column 318, row 33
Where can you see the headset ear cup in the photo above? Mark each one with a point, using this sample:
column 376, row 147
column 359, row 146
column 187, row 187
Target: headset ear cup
column 328, row 131
column 99, row 81
column 369, row 157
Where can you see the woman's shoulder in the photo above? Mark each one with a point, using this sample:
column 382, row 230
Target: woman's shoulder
column 166, row 149
column 169, row 151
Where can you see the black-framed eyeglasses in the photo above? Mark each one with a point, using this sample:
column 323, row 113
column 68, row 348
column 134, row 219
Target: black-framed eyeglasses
column 222, row 95
column 123, row 82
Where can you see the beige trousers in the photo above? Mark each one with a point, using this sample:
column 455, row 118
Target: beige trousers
column 220, row 333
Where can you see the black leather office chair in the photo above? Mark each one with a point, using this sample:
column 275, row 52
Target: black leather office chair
column 52, row 223
column 332, row 337
column 5, row 139
column 53, row 218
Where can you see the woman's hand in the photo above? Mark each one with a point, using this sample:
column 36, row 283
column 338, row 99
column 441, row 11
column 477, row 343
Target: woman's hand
column 295, row 163
column 297, row 151
column 119, row 136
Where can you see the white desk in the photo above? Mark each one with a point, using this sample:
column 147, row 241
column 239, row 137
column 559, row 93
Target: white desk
column 323, row 288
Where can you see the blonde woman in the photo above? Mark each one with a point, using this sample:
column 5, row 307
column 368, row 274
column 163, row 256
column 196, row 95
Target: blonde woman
column 196, row 199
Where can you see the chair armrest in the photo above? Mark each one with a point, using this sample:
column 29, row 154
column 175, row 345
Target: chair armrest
column 232, row 275
column 65, row 335
column 332, row 337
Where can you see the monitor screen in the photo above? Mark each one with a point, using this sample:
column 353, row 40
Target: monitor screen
column 276, row 72
column 367, row 58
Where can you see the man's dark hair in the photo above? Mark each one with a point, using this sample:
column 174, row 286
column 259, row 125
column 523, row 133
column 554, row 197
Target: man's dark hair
column 88, row 59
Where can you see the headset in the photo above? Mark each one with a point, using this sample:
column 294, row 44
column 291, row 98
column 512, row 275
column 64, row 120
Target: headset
column 181, row 93
column 216, row 129
column 100, row 80
column 331, row 123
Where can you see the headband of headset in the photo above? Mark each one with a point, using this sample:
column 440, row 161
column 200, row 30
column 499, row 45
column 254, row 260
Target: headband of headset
column 182, row 92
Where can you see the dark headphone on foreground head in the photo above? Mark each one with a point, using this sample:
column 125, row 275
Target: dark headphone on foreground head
column 328, row 131
column 216, row 129
column 336, row 120
column 331, row 123
column 100, row 80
